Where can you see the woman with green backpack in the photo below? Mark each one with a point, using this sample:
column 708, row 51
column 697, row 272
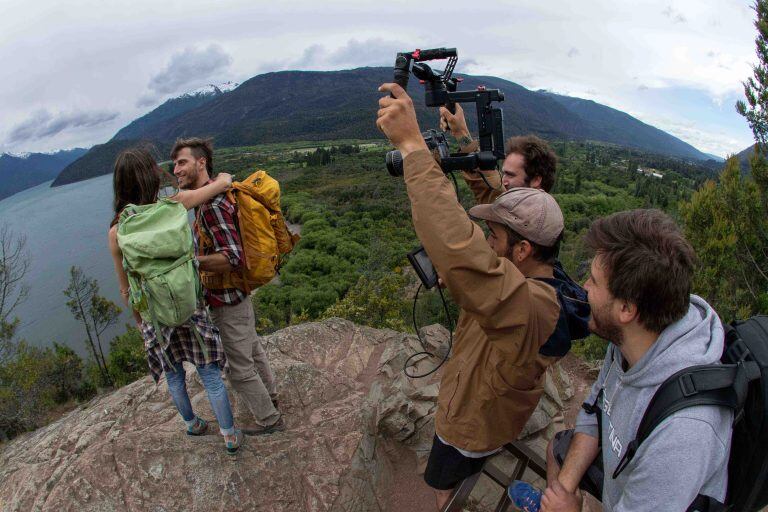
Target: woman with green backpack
column 152, row 248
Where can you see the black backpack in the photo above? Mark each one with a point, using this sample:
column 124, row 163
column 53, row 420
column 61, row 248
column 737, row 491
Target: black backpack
column 573, row 322
column 740, row 383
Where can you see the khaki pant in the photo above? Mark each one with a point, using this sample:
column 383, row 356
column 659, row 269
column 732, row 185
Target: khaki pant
column 247, row 365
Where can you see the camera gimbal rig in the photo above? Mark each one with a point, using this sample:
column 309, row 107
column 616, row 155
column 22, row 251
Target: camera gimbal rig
column 440, row 90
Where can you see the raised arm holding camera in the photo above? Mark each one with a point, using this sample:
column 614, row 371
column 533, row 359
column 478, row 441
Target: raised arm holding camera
column 509, row 314
column 528, row 160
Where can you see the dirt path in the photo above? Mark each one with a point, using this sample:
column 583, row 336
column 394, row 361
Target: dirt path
column 407, row 492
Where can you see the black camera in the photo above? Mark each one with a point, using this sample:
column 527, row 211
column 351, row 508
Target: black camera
column 440, row 90
column 436, row 143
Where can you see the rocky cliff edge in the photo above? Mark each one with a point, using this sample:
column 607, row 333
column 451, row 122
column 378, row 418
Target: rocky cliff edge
column 353, row 418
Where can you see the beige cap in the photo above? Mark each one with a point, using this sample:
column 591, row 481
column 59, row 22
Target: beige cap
column 530, row 212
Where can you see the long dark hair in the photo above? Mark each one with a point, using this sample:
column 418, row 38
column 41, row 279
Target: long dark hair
column 136, row 180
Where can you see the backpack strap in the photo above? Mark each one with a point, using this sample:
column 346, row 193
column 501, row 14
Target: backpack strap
column 720, row 385
column 243, row 244
column 126, row 212
column 594, row 408
column 706, row 504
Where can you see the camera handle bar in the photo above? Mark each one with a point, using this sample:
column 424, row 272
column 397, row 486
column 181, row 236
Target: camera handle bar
column 404, row 61
column 440, row 90
column 490, row 122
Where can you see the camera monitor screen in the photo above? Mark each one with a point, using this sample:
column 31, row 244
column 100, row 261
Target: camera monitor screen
column 423, row 267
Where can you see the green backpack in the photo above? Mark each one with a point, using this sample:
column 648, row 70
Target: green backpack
column 158, row 256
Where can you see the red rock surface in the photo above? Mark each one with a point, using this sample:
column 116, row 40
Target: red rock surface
column 358, row 435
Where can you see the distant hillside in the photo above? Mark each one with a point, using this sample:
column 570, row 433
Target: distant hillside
column 611, row 125
column 19, row 173
column 744, row 156
column 168, row 110
column 100, row 160
column 716, row 158
column 325, row 105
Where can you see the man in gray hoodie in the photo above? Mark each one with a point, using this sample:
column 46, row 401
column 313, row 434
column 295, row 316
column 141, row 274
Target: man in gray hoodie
column 639, row 292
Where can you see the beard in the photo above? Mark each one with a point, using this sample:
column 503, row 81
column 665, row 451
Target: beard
column 601, row 324
column 184, row 183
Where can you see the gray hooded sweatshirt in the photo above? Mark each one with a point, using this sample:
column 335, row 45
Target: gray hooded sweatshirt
column 687, row 454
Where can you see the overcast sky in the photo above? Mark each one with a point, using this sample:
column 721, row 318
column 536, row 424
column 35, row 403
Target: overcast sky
column 75, row 72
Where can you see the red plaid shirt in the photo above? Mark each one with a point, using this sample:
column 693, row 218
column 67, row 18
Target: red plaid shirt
column 180, row 343
column 217, row 219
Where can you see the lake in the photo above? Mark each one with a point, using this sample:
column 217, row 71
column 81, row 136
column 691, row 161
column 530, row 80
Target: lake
column 64, row 226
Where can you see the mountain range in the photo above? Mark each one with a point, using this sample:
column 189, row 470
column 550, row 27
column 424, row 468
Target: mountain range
column 20, row 172
column 324, row 105
column 744, row 157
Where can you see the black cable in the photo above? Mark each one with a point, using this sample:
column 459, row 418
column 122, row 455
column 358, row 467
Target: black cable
column 455, row 184
column 485, row 180
column 423, row 344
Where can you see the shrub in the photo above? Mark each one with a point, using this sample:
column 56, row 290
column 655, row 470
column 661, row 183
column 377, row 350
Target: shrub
column 127, row 358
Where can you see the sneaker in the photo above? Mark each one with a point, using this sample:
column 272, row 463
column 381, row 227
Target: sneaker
column 233, row 445
column 278, row 426
column 199, row 428
column 524, row 496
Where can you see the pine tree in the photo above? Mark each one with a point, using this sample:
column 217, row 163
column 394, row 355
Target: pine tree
column 94, row 311
column 726, row 223
column 755, row 110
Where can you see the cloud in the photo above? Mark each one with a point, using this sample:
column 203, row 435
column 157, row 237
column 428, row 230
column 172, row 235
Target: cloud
column 147, row 100
column 672, row 14
column 371, row 52
column 716, row 142
column 42, row 123
column 354, row 53
column 83, row 58
column 310, row 56
column 187, row 68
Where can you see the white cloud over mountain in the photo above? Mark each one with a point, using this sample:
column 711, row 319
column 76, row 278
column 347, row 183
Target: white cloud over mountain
column 110, row 58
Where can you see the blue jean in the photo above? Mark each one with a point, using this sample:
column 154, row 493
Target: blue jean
column 214, row 387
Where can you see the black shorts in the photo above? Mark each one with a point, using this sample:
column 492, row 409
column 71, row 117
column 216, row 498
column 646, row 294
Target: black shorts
column 447, row 467
column 592, row 481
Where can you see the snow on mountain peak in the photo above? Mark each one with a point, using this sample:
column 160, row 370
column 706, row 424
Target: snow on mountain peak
column 22, row 155
column 212, row 89
column 228, row 86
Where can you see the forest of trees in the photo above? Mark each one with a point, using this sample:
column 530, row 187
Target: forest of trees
column 356, row 231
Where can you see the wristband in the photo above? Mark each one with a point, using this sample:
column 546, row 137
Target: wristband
column 465, row 140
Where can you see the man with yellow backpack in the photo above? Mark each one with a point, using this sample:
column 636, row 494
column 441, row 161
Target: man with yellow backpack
column 239, row 238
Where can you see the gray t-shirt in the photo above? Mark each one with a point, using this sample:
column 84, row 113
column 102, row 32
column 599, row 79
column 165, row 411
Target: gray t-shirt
column 687, row 454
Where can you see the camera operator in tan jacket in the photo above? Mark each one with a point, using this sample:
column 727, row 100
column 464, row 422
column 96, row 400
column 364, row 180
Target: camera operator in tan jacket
column 493, row 381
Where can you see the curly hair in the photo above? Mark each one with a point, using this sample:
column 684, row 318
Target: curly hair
column 539, row 158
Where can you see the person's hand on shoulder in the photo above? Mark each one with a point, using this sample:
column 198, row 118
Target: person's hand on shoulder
column 397, row 119
column 456, row 122
column 224, row 177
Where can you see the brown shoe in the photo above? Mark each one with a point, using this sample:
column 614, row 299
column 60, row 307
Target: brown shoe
column 278, row 426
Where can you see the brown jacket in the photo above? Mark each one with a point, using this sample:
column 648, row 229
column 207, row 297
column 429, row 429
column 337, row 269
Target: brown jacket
column 493, row 381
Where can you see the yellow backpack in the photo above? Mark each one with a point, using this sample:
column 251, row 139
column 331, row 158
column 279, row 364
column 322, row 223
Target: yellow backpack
column 263, row 234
